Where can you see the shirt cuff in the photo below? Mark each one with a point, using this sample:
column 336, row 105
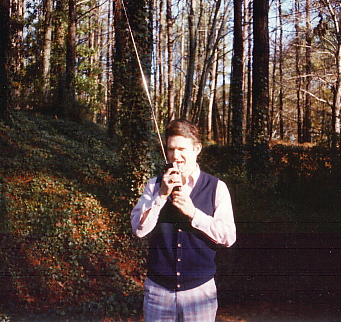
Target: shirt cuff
column 199, row 219
column 154, row 211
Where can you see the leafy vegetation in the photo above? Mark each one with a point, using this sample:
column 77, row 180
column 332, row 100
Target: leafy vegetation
column 63, row 207
column 302, row 192
column 65, row 201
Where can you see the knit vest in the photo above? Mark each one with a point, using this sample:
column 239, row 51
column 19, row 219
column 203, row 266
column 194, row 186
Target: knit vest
column 181, row 257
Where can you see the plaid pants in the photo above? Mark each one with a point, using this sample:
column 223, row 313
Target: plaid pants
column 195, row 305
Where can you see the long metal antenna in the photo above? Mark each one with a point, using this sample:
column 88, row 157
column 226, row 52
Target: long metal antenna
column 145, row 85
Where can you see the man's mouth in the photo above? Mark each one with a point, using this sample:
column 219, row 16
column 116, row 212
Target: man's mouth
column 180, row 165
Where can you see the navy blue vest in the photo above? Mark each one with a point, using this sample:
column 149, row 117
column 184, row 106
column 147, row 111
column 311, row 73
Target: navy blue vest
column 181, row 257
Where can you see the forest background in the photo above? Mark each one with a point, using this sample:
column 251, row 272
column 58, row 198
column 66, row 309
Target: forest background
column 78, row 142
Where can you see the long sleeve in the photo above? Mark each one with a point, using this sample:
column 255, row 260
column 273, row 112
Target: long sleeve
column 220, row 227
column 145, row 214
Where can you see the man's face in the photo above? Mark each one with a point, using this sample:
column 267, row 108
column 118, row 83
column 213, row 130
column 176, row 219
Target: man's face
column 183, row 151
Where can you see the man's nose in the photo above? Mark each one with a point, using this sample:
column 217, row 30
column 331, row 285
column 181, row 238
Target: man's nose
column 176, row 154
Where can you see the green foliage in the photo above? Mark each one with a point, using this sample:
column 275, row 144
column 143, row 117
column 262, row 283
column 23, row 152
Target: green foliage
column 311, row 179
column 65, row 234
column 130, row 109
column 302, row 192
column 66, row 193
column 225, row 162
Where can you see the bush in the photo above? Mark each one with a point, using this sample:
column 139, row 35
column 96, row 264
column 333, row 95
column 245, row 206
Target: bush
column 62, row 208
column 301, row 194
column 66, row 246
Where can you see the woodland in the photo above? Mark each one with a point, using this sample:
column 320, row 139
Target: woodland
column 86, row 90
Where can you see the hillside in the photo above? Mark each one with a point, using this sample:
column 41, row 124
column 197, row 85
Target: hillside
column 66, row 248
column 64, row 238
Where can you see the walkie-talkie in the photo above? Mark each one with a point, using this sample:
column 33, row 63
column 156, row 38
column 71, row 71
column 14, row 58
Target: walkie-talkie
column 173, row 165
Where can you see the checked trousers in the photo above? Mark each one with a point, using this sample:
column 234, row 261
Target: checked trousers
column 196, row 305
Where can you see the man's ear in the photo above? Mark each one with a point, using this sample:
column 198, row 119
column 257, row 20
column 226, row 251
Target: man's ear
column 198, row 148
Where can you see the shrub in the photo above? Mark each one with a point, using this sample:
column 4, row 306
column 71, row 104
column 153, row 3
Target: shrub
column 62, row 208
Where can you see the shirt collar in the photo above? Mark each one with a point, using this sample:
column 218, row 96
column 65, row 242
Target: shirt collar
column 193, row 177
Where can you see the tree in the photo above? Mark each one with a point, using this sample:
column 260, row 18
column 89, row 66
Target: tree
column 248, row 76
column 158, row 74
column 237, row 96
column 225, row 129
column 215, row 32
column 281, row 94
column 47, row 47
column 335, row 13
column 130, row 113
column 192, row 58
column 108, row 74
column 5, row 47
column 17, row 8
column 192, row 35
column 308, row 77
column 70, row 93
column 260, row 91
column 298, row 70
column 170, row 63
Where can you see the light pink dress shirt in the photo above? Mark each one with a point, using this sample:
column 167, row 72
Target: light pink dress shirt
column 220, row 227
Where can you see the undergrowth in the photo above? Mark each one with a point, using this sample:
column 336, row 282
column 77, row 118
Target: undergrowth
column 62, row 206
column 65, row 240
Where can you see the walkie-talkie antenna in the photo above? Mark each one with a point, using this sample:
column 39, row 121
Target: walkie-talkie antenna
column 145, row 85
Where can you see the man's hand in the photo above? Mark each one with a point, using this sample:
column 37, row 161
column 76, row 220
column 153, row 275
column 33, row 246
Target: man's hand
column 171, row 179
column 184, row 203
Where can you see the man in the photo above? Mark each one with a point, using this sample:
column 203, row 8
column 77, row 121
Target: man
column 184, row 225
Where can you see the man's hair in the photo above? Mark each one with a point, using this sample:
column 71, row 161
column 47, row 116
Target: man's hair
column 183, row 128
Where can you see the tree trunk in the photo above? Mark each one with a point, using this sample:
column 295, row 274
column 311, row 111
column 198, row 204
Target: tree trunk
column 70, row 94
column 337, row 96
column 216, row 121
column 5, row 48
column 281, row 122
column 181, row 78
column 248, row 81
column 336, row 106
column 47, row 50
column 159, row 75
column 273, row 100
column 211, row 103
column 308, row 78
column 237, row 97
column 120, row 47
column 298, row 71
column 225, row 133
column 211, row 47
column 17, row 8
column 188, row 96
column 108, row 59
column 59, row 36
column 169, row 18
column 245, row 23
column 260, row 92
column 130, row 113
